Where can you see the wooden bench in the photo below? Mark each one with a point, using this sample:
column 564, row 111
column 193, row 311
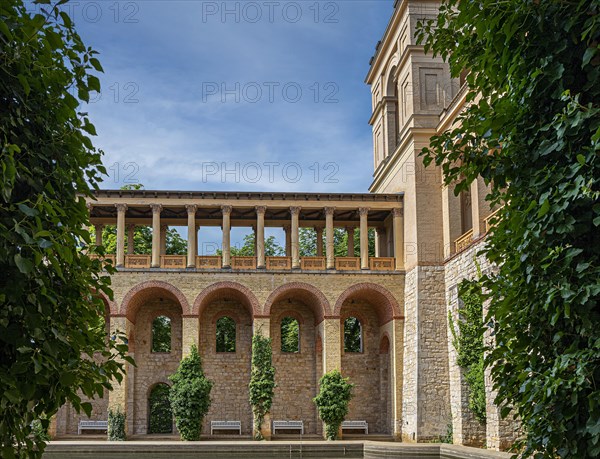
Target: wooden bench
column 288, row 425
column 226, row 425
column 356, row 425
column 92, row 425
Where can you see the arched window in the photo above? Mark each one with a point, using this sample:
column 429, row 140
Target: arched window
column 225, row 334
column 353, row 339
column 160, row 415
column 161, row 334
column 290, row 335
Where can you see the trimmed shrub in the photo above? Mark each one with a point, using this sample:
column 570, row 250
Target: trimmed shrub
column 335, row 393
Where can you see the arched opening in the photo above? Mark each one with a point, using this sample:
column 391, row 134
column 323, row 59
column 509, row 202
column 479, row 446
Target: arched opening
column 225, row 334
column 155, row 310
column 353, row 335
column 296, row 311
column 160, row 415
column 225, row 311
column 393, row 112
column 366, row 317
column 290, row 335
column 161, row 334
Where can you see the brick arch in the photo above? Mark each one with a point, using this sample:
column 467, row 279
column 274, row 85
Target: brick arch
column 110, row 307
column 221, row 290
column 146, row 290
column 307, row 293
column 384, row 344
column 379, row 297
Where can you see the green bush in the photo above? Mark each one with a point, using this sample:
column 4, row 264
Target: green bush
column 332, row 401
column 262, row 381
column 116, row 425
column 161, row 414
column 39, row 430
column 190, row 396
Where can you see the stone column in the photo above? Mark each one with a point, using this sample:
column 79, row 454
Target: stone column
column 479, row 207
column 190, row 334
column 121, row 209
column 288, row 240
column 260, row 237
column 364, row 237
column 163, row 239
column 350, row 232
column 329, row 211
column 397, row 364
column 156, row 209
column 295, row 211
column 98, row 230
column 192, row 235
column 226, row 250
column 398, row 214
column 332, row 344
column 130, row 239
column 319, row 230
column 380, row 242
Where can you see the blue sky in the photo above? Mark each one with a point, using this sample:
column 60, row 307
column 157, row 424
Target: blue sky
column 213, row 95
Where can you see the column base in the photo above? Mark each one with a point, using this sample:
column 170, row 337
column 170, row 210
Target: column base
column 261, row 267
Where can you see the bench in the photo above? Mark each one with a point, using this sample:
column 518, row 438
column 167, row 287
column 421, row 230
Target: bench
column 92, row 425
column 288, row 425
column 226, row 425
column 356, row 425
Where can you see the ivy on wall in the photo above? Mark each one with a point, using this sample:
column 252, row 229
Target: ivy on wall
column 262, row 381
column 467, row 335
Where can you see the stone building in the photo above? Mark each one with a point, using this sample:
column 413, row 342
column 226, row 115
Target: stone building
column 408, row 385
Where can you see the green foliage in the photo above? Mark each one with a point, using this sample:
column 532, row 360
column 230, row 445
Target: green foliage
column 332, row 401
column 39, row 430
column 532, row 131
column 468, row 342
column 116, row 425
column 190, row 396
column 352, row 335
column 290, row 335
column 308, row 242
column 161, row 334
column 225, row 335
column 262, row 381
column 272, row 247
column 160, row 413
column 48, row 315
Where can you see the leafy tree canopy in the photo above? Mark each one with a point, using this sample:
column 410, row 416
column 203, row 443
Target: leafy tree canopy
column 532, row 130
column 49, row 317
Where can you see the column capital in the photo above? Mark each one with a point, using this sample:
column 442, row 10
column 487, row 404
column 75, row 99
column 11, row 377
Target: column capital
column 191, row 208
column 295, row 210
column 226, row 210
column 260, row 210
column 156, row 208
column 398, row 212
column 363, row 211
column 121, row 207
column 329, row 210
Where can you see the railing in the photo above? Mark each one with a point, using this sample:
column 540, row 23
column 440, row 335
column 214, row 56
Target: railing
column 464, row 241
column 347, row 263
column 173, row 261
column 243, row 262
column 279, row 262
column 313, row 263
column 137, row 261
column 382, row 264
column 110, row 258
column 488, row 220
column 208, row 262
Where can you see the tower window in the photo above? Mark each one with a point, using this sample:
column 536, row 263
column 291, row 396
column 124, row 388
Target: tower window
column 290, row 335
column 225, row 334
column 353, row 339
column 161, row 334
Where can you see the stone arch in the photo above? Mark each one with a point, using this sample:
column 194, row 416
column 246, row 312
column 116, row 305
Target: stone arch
column 307, row 293
column 145, row 290
column 385, row 304
column 391, row 87
column 109, row 305
column 221, row 290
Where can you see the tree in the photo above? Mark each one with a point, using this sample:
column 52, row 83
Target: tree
column 335, row 393
column 532, row 131
column 272, row 247
column 190, row 396
column 308, row 242
column 262, row 381
column 53, row 346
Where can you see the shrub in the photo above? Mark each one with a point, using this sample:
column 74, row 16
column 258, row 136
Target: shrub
column 116, row 425
column 190, row 396
column 262, row 381
column 332, row 401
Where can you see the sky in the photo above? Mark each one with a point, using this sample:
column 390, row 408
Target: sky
column 234, row 95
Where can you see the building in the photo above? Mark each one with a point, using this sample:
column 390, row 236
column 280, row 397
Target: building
column 408, row 385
